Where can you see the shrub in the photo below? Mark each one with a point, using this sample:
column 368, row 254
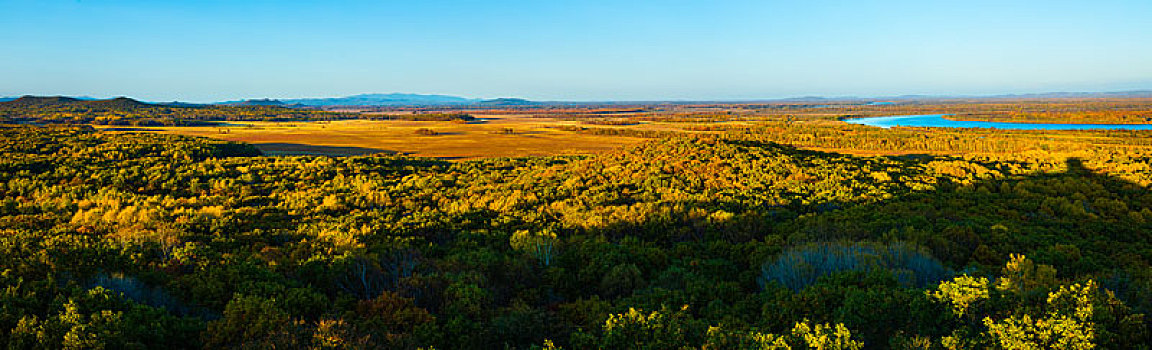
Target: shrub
column 801, row 267
column 134, row 289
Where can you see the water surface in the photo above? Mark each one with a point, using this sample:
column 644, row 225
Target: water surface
column 937, row 120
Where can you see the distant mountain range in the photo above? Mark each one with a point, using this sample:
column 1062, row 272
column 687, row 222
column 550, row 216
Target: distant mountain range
column 256, row 102
column 357, row 100
column 401, row 99
column 394, row 99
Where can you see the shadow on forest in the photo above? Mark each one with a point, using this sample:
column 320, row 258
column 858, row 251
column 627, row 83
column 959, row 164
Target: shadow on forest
column 129, row 129
column 300, row 149
column 1082, row 222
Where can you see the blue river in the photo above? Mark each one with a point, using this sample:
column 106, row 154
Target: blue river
column 937, row 120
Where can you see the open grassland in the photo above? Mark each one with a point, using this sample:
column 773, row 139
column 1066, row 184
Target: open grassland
column 545, row 131
column 495, row 136
column 499, row 136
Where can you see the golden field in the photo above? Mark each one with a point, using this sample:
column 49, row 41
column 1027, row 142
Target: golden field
column 485, row 138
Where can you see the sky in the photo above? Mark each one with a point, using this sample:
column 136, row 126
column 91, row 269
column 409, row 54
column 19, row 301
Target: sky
column 215, row 50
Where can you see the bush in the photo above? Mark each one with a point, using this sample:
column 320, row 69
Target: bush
column 801, row 267
column 133, row 289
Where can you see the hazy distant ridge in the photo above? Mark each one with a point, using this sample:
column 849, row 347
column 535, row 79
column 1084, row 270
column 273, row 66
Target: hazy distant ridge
column 402, row 99
column 394, row 99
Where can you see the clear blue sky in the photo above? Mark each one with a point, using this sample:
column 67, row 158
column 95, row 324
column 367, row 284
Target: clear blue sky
column 209, row 50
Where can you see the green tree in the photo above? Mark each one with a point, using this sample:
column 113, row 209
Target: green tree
column 540, row 244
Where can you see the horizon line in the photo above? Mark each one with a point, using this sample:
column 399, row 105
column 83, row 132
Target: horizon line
column 908, row 96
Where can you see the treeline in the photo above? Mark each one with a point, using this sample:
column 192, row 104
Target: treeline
column 422, row 116
column 1110, row 116
column 609, row 122
column 686, row 117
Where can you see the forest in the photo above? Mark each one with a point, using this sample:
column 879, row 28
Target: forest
column 751, row 227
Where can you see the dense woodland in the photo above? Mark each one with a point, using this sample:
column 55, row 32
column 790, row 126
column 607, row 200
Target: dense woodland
column 740, row 237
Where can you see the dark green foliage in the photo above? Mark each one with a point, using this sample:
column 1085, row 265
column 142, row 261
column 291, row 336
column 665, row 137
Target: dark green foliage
column 801, row 267
column 251, row 323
